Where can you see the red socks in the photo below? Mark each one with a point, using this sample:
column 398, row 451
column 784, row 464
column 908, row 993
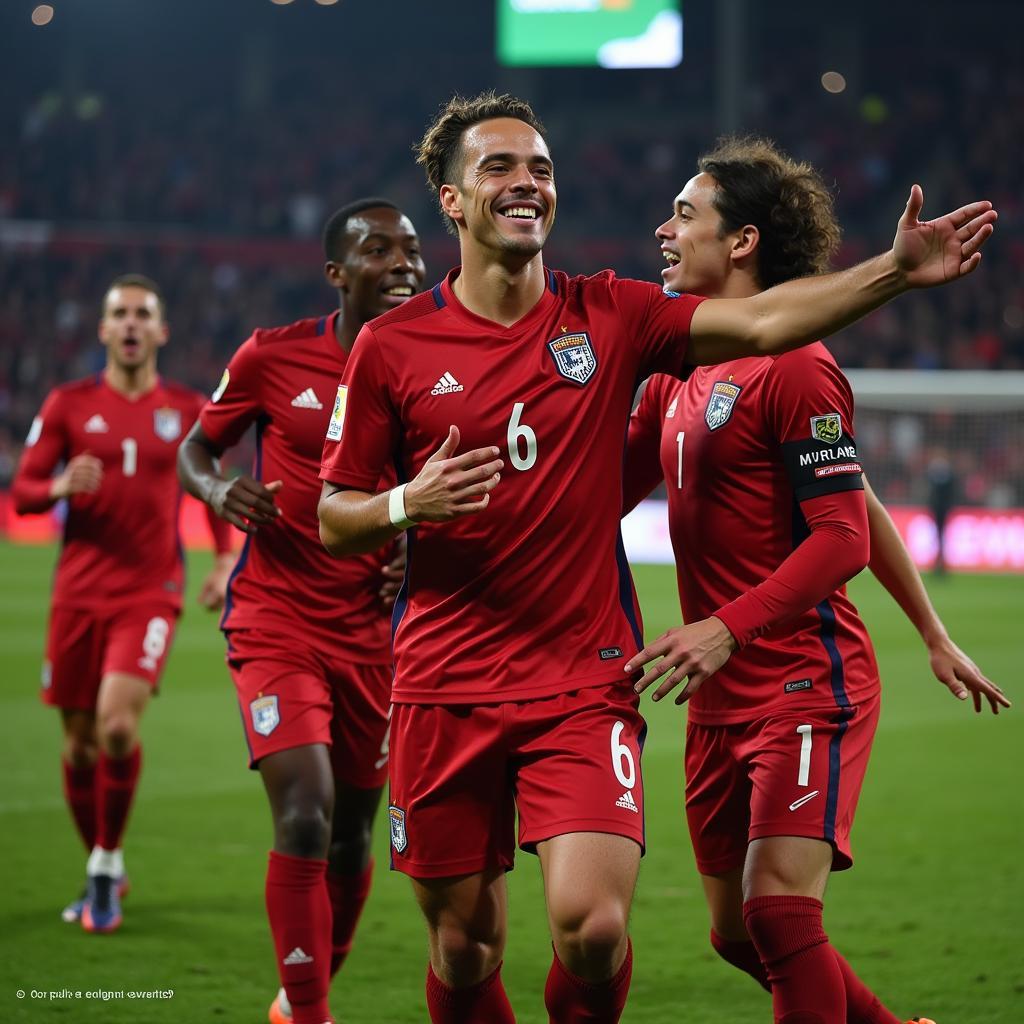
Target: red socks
column 483, row 1003
column 807, row 984
column 116, row 779
column 300, row 922
column 742, row 955
column 347, row 895
column 571, row 1000
column 80, row 796
column 862, row 1005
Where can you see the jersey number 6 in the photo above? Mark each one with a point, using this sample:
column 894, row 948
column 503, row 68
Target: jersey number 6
column 520, row 432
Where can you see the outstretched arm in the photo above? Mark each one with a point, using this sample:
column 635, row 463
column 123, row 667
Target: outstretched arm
column 924, row 254
column 895, row 570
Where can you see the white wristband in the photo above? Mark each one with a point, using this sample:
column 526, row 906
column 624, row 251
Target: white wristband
column 396, row 508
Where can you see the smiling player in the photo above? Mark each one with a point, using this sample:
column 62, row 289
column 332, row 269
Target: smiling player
column 518, row 606
column 308, row 642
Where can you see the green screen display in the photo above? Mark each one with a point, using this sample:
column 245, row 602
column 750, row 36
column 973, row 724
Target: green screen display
column 603, row 33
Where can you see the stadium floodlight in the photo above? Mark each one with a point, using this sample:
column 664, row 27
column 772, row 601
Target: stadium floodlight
column 602, row 33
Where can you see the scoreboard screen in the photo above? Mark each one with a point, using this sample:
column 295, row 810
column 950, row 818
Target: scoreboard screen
column 602, row 33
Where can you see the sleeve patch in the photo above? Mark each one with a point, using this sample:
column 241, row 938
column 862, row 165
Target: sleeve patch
column 828, row 428
column 337, row 421
column 34, row 431
column 218, row 393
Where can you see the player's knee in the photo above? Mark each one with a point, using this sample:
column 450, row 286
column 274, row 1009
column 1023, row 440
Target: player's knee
column 118, row 733
column 303, row 831
column 589, row 942
column 80, row 751
column 467, row 956
column 350, row 853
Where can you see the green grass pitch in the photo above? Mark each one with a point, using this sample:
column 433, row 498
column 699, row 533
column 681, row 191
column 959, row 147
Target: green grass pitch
column 930, row 916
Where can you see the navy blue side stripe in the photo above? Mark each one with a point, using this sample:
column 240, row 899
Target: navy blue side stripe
column 834, row 761
column 321, row 325
column 438, row 297
column 552, row 282
column 640, row 741
column 626, row 590
column 828, row 640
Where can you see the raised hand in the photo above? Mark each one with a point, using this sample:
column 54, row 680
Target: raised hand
column 954, row 668
column 449, row 485
column 933, row 252
column 696, row 651
column 82, row 475
column 245, row 502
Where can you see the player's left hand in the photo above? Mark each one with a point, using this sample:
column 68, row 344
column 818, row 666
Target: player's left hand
column 954, row 668
column 394, row 575
column 696, row 651
column 933, row 252
column 213, row 592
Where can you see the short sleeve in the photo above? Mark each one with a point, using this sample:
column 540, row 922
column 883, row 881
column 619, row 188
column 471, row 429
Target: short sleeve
column 658, row 325
column 237, row 401
column 363, row 430
column 643, row 447
column 809, row 407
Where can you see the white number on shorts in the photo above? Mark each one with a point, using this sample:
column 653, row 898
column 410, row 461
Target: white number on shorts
column 805, row 755
column 154, row 643
column 679, row 458
column 622, row 758
column 520, row 431
column 130, row 461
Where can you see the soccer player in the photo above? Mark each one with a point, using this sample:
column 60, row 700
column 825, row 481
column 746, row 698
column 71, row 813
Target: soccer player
column 308, row 643
column 118, row 588
column 768, row 520
column 503, row 396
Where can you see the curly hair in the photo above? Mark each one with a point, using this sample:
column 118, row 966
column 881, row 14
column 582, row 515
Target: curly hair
column 440, row 149
column 786, row 200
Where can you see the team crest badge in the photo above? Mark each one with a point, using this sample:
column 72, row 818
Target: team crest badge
column 399, row 840
column 167, row 424
column 720, row 404
column 265, row 716
column 574, row 357
column 827, row 428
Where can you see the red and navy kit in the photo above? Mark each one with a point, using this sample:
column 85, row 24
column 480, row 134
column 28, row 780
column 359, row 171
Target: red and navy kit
column 121, row 544
column 532, row 597
column 284, row 380
column 755, row 453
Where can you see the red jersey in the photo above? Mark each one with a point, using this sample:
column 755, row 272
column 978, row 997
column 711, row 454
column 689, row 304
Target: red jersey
column 121, row 544
column 531, row 597
column 740, row 446
column 284, row 380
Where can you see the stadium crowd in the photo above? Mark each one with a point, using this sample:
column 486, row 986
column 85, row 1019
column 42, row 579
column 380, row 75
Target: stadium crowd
column 224, row 210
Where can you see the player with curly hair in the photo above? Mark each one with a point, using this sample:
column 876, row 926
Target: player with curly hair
column 769, row 520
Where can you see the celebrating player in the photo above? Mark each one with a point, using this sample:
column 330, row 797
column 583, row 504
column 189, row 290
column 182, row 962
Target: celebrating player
column 503, row 396
column 117, row 591
column 768, row 520
column 308, row 642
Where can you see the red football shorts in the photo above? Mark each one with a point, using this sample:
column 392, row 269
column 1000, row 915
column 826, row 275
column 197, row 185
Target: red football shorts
column 569, row 763
column 82, row 647
column 784, row 775
column 292, row 695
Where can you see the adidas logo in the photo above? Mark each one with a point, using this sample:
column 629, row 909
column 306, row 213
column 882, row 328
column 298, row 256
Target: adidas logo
column 96, row 425
column 307, row 400
column 627, row 802
column 446, row 385
column 296, row 956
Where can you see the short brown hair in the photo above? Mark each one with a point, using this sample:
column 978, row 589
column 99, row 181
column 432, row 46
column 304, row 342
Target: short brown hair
column 786, row 200
column 136, row 281
column 440, row 149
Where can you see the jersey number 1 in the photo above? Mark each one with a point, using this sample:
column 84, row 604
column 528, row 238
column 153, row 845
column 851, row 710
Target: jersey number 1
column 130, row 462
